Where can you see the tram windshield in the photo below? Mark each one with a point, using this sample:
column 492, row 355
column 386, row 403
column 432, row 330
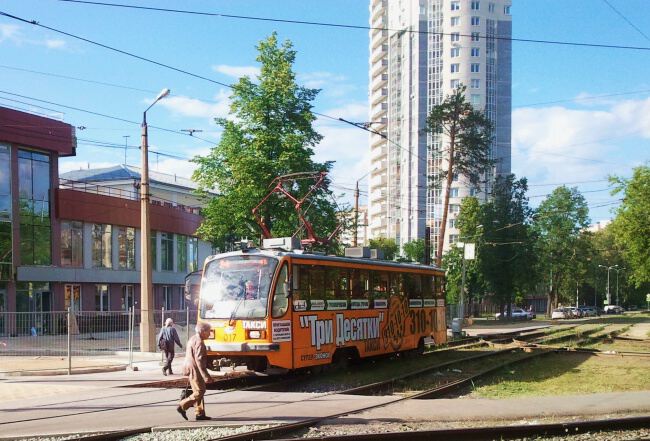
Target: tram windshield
column 237, row 287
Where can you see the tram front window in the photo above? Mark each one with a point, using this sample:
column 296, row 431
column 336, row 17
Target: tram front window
column 237, row 287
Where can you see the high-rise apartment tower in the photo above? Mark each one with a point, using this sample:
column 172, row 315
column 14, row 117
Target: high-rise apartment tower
column 420, row 51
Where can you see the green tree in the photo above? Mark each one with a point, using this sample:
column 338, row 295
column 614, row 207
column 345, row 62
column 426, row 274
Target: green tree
column 507, row 259
column 414, row 250
column 269, row 133
column 631, row 226
column 388, row 246
column 559, row 221
column 465, row 135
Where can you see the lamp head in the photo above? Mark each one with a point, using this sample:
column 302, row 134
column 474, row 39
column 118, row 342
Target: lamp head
column 163, row 93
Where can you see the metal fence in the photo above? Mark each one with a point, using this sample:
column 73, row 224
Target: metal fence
column 71, row 339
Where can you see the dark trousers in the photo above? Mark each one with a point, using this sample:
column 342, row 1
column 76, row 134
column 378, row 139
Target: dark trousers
column 169, row 357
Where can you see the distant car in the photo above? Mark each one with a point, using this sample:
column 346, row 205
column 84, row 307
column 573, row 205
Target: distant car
column 613, row 309
column 517, row 314
column 560, row 313
column 574, row 312
column 589, row 311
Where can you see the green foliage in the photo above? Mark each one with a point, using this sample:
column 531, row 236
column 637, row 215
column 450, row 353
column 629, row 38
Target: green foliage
column 507, row 257
column 466, row 136
column 414, row 250
column 388, row 246
column 631, row 227
column 559, row 221
column 269, row 133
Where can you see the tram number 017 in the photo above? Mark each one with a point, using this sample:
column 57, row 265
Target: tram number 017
column 422, row 320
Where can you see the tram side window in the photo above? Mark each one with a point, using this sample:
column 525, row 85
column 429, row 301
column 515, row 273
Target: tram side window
column 281, row 295
column 360, row 283
column 396, row 287
column 427, row 287
column 439, row 289
column 412, row 287
column 333, row 284
column 343, row 292
column 379, row 285
column 316, row 283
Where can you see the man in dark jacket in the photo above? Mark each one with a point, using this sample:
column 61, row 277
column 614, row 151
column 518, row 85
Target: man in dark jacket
column 195, row 367
column 166, row 339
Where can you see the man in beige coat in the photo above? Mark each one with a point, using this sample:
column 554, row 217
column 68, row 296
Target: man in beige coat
column 195, row 367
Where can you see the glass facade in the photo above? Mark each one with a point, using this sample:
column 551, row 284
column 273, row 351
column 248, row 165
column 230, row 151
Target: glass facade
column 167, row 251
column 127, row 297
column 181, row 253
column 72, row 243
column 101, row 240
column 126, row 244
column 102, row 302
column 34, row 201
column 72, row 297
column 192, row 254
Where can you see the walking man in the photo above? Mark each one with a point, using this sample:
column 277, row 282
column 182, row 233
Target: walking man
column 166, row 340
column 195, row 367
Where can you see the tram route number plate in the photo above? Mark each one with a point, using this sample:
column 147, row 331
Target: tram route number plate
column 281, row 330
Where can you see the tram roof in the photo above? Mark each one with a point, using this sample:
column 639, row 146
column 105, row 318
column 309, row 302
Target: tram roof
column 297, row 255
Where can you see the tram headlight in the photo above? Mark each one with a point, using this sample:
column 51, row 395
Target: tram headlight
column 255, row 334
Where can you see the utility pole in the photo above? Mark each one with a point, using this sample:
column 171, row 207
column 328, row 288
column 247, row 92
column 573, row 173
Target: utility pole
column 356, row 214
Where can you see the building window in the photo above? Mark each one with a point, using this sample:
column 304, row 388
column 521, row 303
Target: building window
column 476, row 52
column 455, row 21
column 491, row 7
column 454, row 208
column 126, row 247
column 475, row 100
column 453, row 238
column 101, row 298
column 476, row 36
column 181, row 253
column 154, row 248
column 475, row 5
column 72, row 297
column 181, row 297
column 475, row 68
column 454, row 84
column 72, row 233
column 506, row 10
column 476, row 21
column 454, row 177
column 167, row 251
column 455, row 6
column 127, row 297
column 34, row 202
column 453, row 192
column 455, row 68
column 473, row 191
column 192, row 254
column 167, row 297
column 475, row 83
column 6, row 250
column 455, row 36
column 101, row 235
column 455, row 52
column 452, row 223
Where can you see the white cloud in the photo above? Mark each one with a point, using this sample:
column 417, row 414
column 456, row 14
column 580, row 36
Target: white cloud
column 192, row 107
column 355, row 112
column 55, row 44
column 554, row 143
column 318, row 80
column 237, row 71
column 9, row 32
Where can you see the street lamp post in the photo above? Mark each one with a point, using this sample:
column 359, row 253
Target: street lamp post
column 609, row 297
column 147, row 330
column 617, row 271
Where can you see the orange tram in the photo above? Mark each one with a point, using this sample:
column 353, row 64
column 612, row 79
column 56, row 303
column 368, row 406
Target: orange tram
column 280, row 309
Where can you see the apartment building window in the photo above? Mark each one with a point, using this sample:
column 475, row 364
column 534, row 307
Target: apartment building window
column 127, row 297
column 455, row 21
column 455, row 36
column 453, row 238
column 454, row 208
column 475, row 68
column 126, row 247
column 454, row 177
column 506, row 10
column 476, row 100
column 102, row 298
column 453, row 192
column 475, row 83
column 72, row 243
column 192, row 254
column 491, row 7
column 167, row 251
column 476, row 21
column 34, row 203
column 476, row 52
column 475, row 5
column 455, row 52
column 455, row 6
column 454, row 84
column 167, row 297
column 181, row 253
column 455, row 68
column 473, row 191
column 101, row 246
column 476, row 36
column 452, row 223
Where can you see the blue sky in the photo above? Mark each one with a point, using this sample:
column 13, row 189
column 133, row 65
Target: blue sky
column 564, row 130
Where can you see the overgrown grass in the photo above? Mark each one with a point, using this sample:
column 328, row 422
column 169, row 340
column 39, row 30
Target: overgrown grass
column 567, row 373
